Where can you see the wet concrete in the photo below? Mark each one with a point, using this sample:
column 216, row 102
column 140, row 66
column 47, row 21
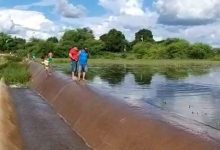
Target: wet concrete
column 41, row 127
column 10, row 137
column 107, row 123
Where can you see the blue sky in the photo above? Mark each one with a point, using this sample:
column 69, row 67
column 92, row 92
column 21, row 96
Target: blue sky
column 196, row 21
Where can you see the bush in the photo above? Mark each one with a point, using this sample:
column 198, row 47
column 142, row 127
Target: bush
column 200, row 51
column 13, row 58
column 131, row 56
column 13, row 71
column 123, row 55
column 216, row 57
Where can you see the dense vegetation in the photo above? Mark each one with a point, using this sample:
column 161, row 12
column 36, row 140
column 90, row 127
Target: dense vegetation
column 13, row 70
column 110, row 45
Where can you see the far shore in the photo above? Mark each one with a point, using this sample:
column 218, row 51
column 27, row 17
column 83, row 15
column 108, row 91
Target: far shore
column 144, row 62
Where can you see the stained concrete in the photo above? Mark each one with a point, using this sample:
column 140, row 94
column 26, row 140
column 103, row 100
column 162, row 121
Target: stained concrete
column 108, row 123
column 41, row 127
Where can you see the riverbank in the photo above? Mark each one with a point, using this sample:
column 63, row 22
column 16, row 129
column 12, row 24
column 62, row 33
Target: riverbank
column 143, row 62
column 14, row 70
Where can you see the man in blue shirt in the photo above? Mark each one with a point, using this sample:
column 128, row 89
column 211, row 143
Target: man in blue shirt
column 82, row 63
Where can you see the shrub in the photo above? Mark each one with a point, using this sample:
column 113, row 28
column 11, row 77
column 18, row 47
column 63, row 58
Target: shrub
column 15, row 73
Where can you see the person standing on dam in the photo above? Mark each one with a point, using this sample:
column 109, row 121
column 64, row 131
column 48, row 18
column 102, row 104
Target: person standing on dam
column 46, row 65
column 83, row 61
column 73, row 55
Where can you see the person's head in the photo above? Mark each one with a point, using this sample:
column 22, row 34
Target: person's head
column 50, row 54
column 86, row 49
column 75, row 48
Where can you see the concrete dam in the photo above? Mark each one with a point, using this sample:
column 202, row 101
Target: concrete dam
column 59, row 114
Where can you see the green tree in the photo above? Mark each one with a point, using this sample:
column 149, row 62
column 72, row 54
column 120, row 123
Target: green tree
column 53, row 40
column 144, row 35
column 76, row 37
column 177, row 49
column 200, row 51
column 95, row 46
column 5, row 41
column 141, row 48
column 114, row 41
column 39, row 47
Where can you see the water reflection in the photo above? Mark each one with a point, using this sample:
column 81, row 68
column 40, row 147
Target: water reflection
column 190, row 92
column 115, row 74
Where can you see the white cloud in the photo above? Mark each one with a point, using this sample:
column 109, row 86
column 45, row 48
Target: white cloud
column 196, row 21
column 127, row 24
column 126, row 15
column 187, row 12
column 26, row 23
column 208, row 33
column 68, row 10
column 62, row 7
column 125, row 7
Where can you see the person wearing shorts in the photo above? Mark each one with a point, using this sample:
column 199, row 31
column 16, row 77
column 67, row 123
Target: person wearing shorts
column 46, row 66
column 73, row 55
column 82, row 64
column 50, row 59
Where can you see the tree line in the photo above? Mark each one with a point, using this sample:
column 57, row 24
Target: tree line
column 109, row 45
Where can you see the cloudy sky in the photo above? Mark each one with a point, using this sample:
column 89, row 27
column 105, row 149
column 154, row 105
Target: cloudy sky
column 194, row 20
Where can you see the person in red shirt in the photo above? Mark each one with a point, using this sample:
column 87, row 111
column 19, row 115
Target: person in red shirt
column 73, row 55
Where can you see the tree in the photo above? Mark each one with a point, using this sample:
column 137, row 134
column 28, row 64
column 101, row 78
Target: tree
column 53, row 40
column 76, row 37
column 4, row 42
column 141, row 48
column 95, row 46
column 200, row 51
column 177, row 49
column 114, row 41
column 39, row 47
column 144, row 35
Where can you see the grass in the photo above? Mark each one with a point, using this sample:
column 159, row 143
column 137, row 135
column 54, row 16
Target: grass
column 145, row 62
column 14, row 71
column 174, row 69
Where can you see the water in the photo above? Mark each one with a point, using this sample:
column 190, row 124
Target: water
column 193, row 93
column 190, row 92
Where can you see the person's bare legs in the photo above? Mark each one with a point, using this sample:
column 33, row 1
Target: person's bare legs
column 47, row 73
column 79, row 75
column 74, row 68
column 73, row 76
column 84, row 75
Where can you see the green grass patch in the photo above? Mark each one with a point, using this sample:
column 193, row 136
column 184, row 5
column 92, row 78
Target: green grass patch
column 176, row 63
column 14, row 71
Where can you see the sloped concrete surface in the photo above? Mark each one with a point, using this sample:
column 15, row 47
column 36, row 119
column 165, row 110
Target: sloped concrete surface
column 10, row 137
column 41, row 127
column 107, row 123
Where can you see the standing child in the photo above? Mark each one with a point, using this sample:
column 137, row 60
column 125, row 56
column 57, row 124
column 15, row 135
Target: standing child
column 46, row 65
column 50, row 59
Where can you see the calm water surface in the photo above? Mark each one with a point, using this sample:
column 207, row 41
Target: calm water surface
column 190, row 92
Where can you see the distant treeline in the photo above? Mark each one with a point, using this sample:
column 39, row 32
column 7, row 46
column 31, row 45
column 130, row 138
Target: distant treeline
column 110, row 45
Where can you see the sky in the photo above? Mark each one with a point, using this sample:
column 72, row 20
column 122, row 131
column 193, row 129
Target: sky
column 194, row 20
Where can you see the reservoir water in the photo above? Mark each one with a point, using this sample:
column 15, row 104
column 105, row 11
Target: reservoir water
column 186, row 95
column 192, row 92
